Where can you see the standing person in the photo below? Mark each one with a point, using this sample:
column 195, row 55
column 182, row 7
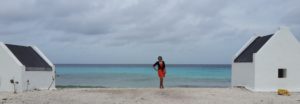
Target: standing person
column 161, row 70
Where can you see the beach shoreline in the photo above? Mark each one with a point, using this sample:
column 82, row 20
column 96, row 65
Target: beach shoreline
column 148, row 96
column 179, row 86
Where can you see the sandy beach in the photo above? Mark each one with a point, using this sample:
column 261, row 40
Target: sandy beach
column 148, row 96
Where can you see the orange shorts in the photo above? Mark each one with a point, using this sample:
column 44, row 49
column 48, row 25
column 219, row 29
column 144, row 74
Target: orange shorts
column 161, row 73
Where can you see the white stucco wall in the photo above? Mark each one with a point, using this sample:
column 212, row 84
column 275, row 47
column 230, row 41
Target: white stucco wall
column 37, row 80
column 10, row 68
column 242, row 74
column 281, row 51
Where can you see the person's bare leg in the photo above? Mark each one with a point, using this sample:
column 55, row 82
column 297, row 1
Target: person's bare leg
column 161, row 83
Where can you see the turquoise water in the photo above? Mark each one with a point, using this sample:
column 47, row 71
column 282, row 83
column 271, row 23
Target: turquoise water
column 142, row 76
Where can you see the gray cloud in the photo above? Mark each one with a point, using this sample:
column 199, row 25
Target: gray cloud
column 111, row 31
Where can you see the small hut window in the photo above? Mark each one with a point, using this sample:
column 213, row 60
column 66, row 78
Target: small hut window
column 281, row 73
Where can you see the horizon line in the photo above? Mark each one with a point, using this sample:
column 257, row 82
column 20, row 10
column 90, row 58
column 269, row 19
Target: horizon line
column 128, row 64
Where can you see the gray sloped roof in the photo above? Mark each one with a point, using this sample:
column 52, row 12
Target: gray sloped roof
column 247, row 54
column 29, row 58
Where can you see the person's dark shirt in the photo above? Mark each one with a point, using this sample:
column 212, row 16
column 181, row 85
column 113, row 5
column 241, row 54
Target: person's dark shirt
column 160, row 67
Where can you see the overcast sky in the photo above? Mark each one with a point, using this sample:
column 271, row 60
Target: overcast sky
column 137, row 31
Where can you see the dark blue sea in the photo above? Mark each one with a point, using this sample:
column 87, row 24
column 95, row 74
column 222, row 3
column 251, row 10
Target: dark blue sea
column 141, row 76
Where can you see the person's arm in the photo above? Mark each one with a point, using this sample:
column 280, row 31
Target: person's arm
column 165, row 69
column 155, row 65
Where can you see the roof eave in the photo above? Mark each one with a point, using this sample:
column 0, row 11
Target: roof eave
column 244, row 47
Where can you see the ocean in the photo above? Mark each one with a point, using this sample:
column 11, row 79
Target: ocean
column 141, row 76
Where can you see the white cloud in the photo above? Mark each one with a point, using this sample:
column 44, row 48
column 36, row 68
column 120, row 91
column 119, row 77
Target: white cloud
column 136, row 31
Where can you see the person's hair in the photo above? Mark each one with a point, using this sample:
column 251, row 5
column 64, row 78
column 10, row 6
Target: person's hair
column 160, row 58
